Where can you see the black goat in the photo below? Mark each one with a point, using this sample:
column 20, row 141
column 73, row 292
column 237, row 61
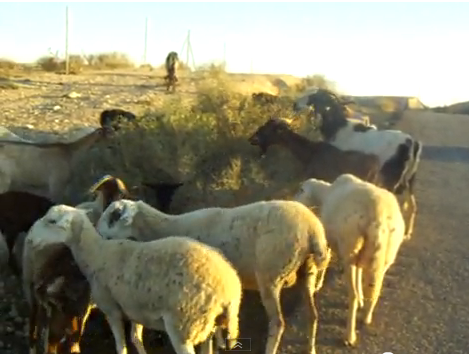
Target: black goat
column 113, row 117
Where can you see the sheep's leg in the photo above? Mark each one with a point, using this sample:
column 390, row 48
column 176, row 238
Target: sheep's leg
column 136, row 335
column 270, row 295
column 373, row 284
column 219, row 340
column 410, row 207
column 358, row 286
column 33, row 326
column 310, row 290
column 351, row 335
column 117, row 328
column 45, row 316
column 180, row 347
column 206, row 347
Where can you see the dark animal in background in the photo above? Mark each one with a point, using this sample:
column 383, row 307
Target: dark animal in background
column 112, row 118
column 18, row 212
column 398, row 152
column 171, row 66
column 264, row 98
column 321, row 160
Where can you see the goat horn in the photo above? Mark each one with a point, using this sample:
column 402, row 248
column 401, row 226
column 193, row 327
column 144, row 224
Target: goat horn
column 99, row 183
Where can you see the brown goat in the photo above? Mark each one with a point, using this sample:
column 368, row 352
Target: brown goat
column 61, row 295
column 320, row 159
column 63, row 298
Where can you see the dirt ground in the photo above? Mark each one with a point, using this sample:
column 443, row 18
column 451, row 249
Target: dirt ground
column 423, row 307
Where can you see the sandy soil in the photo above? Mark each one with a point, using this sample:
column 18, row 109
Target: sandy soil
column 423, row 305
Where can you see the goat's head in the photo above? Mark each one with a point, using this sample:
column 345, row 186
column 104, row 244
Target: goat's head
column 65, row 222
column 112, row 189
column 116, row 221
column 111, row 119
column 268, row 134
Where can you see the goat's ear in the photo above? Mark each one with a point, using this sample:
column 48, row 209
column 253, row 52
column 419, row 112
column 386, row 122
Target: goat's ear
column 56, row 286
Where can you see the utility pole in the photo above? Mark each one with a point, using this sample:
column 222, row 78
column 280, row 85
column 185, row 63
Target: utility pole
column 251, row 67
column 67, row 61
column 145, row 41
column 224, row 54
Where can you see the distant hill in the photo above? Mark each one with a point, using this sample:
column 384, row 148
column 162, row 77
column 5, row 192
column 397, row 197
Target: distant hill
column 457, row 108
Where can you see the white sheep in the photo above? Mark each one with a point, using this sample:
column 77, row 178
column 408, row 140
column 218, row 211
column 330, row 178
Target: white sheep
column 364, row 228
column 188, row 285
column 268, row 243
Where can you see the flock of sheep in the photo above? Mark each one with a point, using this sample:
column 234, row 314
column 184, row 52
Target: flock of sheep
column 184, row 274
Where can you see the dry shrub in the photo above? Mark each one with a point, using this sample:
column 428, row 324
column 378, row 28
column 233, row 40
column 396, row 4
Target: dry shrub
column 112, row 60
column 204, row 145
column 56, row 65
column 7, row 64
column 77, row 63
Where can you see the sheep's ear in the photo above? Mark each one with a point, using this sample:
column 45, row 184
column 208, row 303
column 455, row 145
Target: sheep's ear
column 65, row 220
column 77, row 224
column 88, row 212
column 56, row 286
column 130, row 209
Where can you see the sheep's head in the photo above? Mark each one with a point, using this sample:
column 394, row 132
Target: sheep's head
column 64, row 221
column 116, row 221
column 269, row 133
column 311, row 192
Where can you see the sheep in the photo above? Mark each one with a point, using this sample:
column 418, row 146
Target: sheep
column 113, row 117
column 270, row 243
column 171, row 66
column 399, row 153
column 321, row 160
column 190, row 287
column 47, row 267
column 44, row 169
column 365, row 228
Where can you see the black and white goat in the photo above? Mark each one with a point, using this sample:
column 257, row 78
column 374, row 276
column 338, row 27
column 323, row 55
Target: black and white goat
column 399, row 152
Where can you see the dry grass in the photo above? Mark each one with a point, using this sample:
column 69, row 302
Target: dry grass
column 202, row 143
column 78, row 63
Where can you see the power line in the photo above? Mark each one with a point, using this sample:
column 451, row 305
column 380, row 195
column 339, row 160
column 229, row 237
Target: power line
column 188, row 47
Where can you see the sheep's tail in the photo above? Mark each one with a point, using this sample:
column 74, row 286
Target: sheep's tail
column 318, row 246
column 372, row 255
column 230, row 313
